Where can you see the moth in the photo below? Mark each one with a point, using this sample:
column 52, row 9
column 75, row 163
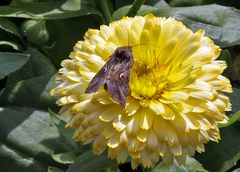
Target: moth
column 115, row 75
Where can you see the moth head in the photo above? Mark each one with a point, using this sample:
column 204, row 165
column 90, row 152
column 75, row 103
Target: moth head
column 124, row 52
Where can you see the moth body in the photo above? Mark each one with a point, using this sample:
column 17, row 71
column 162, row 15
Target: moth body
column 115, row 75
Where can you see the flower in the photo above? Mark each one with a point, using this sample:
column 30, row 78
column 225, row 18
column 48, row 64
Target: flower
column 177, row 91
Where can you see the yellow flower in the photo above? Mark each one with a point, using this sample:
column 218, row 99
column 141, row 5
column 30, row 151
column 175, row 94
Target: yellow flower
column 176, row 98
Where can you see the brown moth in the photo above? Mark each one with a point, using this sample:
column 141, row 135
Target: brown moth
column 115, row 75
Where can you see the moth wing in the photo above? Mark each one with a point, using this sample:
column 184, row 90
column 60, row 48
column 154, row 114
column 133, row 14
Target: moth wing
column 98, row 80
column 119, row 89
column 101, row 77
column 114, row 75
column 119, row 92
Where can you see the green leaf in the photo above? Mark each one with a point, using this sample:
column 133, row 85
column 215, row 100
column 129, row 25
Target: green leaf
column 22, row 162
column 227, row 151
column 66, row 158
column 119, row 13
column 121, row 3
column 226, row 56
column 32, row 93
column 235, row 99
column 191, row 165
column 10, row 27
column 177, row 3
column 64, row 34
column 27, row 139
column 68, row 3
column 106, row 10
column 10, row 62
column 9, row 44
column 54, row 169
column 156, row 3
column 110, row 169
column 233, row 118
column 221, row 23
column 37, row 65
column 66, row 132
column 35, row 31
column 135, row 7
column 236, row 170
column 231, row 3
column 48, row 10
column 160, row 3
column 91, row 163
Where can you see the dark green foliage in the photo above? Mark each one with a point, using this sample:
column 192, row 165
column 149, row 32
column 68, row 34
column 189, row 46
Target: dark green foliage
column 36, row 35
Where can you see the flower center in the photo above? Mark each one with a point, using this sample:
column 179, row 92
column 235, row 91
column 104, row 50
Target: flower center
column 148, row 77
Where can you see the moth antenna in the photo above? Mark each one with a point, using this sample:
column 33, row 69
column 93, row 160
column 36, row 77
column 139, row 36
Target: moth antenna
column 145, row 44
column 128, row 38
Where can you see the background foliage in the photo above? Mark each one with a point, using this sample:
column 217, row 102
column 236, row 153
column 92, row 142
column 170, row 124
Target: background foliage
column 36, row 35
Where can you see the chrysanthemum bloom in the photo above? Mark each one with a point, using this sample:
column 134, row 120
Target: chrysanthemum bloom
column 176, row 95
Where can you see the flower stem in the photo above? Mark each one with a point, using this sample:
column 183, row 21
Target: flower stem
column 135, row 7
column 106, row 10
